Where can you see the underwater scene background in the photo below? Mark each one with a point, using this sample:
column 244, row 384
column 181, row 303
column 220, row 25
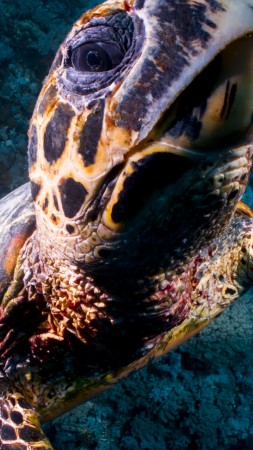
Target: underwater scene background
column 199, row 397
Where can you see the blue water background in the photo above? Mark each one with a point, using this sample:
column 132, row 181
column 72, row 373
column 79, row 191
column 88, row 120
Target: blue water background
column 199, row 397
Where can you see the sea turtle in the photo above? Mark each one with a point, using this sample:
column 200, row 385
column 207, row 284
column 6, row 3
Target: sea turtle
column 134, row 236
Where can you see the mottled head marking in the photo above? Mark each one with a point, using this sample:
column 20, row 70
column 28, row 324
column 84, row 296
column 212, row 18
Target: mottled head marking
column 141, row 110
column 72, row 136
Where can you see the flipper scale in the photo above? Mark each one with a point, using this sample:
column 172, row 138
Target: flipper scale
column 19, row 425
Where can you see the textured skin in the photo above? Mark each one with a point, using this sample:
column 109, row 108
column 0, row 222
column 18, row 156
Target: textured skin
column 19, row 426
column 136, row 174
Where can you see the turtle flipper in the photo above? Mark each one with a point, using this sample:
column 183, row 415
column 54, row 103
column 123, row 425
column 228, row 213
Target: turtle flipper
column 19, row 425
column 17, row 222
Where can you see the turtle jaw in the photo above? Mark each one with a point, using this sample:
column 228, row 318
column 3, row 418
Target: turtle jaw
column 137, row 225
column 172, row 222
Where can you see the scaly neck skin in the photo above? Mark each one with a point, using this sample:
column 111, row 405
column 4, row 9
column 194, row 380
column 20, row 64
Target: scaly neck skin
column 77, row 304
column 88, row 331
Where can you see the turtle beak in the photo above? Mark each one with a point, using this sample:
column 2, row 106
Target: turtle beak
column 178, row 97
column 180, row 41
column 205, row 135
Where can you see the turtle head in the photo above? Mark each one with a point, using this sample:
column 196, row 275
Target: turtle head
column 140, row 143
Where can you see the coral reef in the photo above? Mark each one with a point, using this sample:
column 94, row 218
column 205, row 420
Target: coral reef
column 197, row 397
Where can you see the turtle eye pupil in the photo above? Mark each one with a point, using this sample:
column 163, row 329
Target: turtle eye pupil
column 93, row 60
column 96, row 57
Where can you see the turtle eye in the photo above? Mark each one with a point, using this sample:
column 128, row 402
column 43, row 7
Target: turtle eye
column 96, row 57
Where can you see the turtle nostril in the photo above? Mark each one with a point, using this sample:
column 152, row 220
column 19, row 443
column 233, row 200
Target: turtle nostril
column 151, row 173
